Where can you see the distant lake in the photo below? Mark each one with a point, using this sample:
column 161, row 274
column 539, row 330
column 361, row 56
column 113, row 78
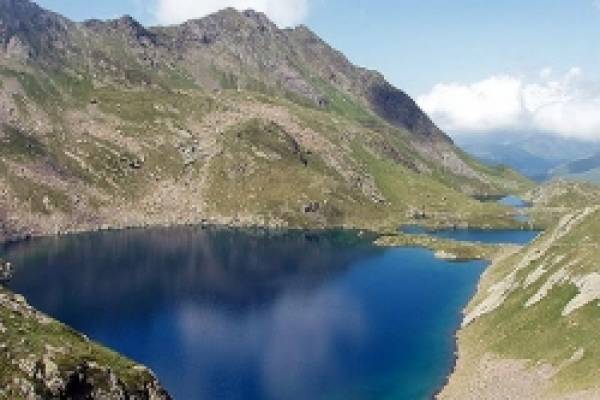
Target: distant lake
column 510, row 200
column 514, row 201
column 487, row 236
column 253, row 315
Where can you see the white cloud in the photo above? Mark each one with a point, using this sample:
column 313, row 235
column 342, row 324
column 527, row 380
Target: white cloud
column 282, row 12
column 568, row 105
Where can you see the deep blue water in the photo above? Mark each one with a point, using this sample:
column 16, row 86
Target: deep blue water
column 221, row 314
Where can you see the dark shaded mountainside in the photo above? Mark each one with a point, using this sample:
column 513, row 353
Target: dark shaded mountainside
column 224, row 119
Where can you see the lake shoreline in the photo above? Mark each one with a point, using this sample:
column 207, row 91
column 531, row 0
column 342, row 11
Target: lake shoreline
column 485, row 252
column 484, row 371
column 362, row 234
column 67, row 363
column 31, row 225
column 498, row 256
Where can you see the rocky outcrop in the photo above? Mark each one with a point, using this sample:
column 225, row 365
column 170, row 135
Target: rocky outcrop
column 43, row 359
column 400, row 110
column 27, row 30
column 6, row 271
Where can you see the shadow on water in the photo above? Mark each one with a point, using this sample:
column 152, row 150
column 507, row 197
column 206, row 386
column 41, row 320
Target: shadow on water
column 257, row 314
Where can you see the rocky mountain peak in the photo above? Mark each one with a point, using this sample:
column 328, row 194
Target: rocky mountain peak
column 128, row 22
column 230, row 17
column 227, row 24
column 134, row 30
column 243, row 46
column 28, row 30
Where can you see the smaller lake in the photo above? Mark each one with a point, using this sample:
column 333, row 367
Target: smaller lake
column 503, row 236
column 487, row 236
column 510, row 201
column 519, row 204
column 514, row 201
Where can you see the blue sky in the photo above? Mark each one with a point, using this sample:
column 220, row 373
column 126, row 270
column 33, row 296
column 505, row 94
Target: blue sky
column 419, row 44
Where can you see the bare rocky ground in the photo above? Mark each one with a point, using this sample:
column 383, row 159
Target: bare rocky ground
column 494, row 378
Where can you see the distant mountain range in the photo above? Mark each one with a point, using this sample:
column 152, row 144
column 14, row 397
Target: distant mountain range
column 584, row 170
column 535, row 155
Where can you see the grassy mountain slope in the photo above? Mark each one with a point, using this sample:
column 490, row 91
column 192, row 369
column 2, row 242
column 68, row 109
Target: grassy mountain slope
column 226, row 119
column 531, row 331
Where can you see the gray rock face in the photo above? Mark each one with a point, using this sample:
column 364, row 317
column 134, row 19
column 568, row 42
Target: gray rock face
column 400, row 110
column 87, row 380
column 6, row 271
column 26, row 27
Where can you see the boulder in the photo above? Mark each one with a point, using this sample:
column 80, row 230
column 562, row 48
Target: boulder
column 312, row 207
column 6, row 271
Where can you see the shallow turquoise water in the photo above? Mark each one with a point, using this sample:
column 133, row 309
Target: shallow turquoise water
column 221, row 314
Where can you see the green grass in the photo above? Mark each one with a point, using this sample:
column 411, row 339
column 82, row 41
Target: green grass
column 265, row 172
column 540, row 333
column 146, row 109
column 36, row 194
column 344, row 105
column 461, row 250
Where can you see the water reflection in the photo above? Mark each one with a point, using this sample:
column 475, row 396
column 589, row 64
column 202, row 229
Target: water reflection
column 150, row 268
column 255, row 314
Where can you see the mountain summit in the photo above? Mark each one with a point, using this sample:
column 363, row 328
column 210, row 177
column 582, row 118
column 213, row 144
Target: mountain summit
column 225, row 119
column 245, row 45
